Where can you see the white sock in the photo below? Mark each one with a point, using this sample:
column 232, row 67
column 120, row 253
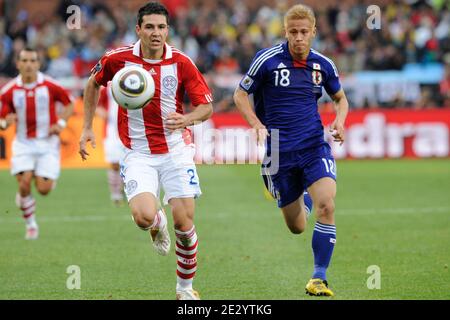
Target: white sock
column 28, row 206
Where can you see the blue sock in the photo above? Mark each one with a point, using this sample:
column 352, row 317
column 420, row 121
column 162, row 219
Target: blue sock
column 308, row 203
column 323, row 240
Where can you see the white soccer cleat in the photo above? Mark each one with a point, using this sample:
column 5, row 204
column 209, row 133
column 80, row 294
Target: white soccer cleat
column 32, row 233
column 161, row 237
column 188, row 295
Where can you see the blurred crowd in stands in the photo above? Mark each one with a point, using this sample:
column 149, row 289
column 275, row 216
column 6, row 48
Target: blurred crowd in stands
column 223, row 36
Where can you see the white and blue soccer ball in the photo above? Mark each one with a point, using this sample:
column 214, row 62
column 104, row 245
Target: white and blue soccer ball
column 132, row 87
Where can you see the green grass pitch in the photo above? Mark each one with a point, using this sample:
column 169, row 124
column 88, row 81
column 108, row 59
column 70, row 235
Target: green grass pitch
column 394, row 214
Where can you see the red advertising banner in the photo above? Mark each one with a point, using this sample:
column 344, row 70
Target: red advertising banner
column 395, row 134
column 370, row 134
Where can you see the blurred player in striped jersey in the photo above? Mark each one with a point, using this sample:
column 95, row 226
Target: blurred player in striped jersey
column 159, row 147
column 286, row 81
column 114, row 149
column 30, row 100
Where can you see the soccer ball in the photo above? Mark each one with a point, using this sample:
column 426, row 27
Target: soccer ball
column 132, row 87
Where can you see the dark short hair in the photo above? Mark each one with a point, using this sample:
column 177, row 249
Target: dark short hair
column 152, row 8
column 27, row 49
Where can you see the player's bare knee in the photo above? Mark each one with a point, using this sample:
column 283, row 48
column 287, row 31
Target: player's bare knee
column 143, row 218
column 296, row 229
column 183, row 221
column 142, row 221
column 183, row 218
column 25, row 186
column 325, row 208
column 44, row 185
column 44, row 190
column 183, row 226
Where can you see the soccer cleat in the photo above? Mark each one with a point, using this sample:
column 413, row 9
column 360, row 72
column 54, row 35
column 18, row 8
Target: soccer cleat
column 161, row 238
column 32, row 233
column 318, row 287
column 190, row 294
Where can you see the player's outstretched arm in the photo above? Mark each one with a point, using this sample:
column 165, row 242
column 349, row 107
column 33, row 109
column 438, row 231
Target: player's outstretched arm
column 341, row 107
column 245, row 108
column 90, row 100
column 201, row 113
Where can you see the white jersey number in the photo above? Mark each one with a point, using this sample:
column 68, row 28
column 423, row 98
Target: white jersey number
column 330, row 166
column 284, row 79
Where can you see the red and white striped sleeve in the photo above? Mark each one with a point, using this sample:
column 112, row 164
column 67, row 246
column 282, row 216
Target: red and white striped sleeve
column 195, row 84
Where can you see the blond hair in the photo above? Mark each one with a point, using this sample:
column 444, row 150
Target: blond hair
column 300, row 11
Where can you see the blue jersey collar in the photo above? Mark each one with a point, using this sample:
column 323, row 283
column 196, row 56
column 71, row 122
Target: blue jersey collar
column 288, row 54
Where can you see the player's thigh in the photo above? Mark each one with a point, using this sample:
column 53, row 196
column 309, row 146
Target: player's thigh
column 139, row 175
column 44, row 185
column 179, row 177
column 320, row 176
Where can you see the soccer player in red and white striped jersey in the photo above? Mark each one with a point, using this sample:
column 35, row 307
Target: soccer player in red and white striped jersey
column 30, row 100
column 159, row 149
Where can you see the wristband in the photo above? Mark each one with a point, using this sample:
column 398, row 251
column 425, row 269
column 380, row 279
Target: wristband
column 3, row 124
column 62, row 123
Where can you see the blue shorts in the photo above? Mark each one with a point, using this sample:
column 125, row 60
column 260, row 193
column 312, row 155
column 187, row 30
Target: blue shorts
column 297, row 171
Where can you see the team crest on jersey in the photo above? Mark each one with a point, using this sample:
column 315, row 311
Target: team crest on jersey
column 169, row 85
column 131, row 186
column 317, row 77
column 170, row 82
column 247, row 82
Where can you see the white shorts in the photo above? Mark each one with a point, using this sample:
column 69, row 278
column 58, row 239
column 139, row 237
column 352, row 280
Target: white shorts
column 114, row 150
column 39, row 155
column 175, row 172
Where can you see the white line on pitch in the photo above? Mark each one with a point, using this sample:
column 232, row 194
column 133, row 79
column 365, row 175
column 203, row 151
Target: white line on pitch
column 368, row 211
column 72, row 218
column 94, row 218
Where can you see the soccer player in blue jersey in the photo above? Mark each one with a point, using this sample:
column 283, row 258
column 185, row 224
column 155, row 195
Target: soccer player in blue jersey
column 286, row 81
